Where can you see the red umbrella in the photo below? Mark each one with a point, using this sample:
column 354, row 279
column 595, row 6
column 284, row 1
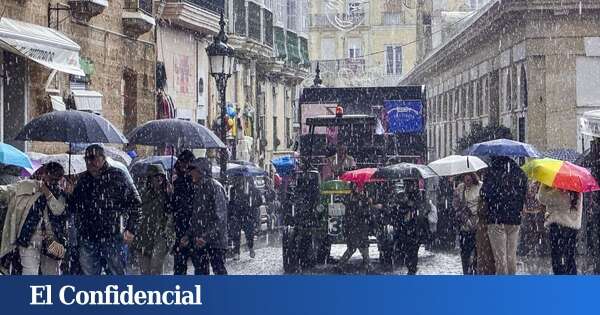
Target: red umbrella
column 359, row 177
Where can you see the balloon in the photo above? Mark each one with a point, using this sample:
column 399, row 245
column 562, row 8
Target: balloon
column 230, row 122
column 231, row 111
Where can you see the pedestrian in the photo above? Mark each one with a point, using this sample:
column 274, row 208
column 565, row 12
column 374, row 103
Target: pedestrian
column 206, row 237
column 357, row 225
column 9, row 174
column 103, row 196
column 466, row 203
column 533, row 237
column 409, row 206
column 503, row 193
column 243, row 213
column 155, row 233
column 181, row 206
column 563, row 219
column 34, row 224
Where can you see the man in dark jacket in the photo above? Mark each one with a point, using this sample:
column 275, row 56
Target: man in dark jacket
column 206, row 237
column 102, row 195
column 503, row 193
column 243, row 213
column 181, row 205
column 408, row 207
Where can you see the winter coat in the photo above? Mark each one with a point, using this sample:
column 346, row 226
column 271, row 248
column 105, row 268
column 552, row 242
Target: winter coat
column 155, row 222
column 20, row 198
column 208, row 219
column 559, row 209
column 245, row 201
column 503, row 192
column 181, row 204
column 99, row 202
column 466, row 203
column 357, row 222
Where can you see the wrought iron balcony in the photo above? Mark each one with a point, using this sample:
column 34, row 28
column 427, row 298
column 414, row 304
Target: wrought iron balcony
column 213, row 5
column 356, row 65
column 137, row 17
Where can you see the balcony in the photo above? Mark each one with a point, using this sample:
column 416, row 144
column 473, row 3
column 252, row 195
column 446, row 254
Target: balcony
column 331, row 21
column 251, row 30
column 137, row 17
column 198, row 15
column 86, row 9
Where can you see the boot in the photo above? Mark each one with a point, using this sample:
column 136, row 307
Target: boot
column 252, row 253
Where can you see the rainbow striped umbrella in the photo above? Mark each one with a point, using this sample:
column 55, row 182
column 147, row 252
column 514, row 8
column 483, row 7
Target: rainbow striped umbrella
column 561, row 174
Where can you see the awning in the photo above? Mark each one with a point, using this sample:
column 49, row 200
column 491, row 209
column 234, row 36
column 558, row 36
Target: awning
column 589, row 124
column 58, row 103
column 43, row 45
column 87, row 100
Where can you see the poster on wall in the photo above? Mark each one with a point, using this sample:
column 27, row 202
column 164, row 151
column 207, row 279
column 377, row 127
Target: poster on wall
column 404, row 116
column 182, row 74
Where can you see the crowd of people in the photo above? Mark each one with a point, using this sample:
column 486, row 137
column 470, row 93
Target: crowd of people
column 99, row 222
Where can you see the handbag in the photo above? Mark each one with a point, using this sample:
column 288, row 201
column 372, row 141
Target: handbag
column 467, row 220
column 51, row 247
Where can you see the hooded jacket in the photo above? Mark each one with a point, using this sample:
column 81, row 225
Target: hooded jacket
column 503, row 192
column 21, row 198
column 208, row 218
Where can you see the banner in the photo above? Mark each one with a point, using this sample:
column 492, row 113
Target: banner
column 303, row 295
column 404, row 116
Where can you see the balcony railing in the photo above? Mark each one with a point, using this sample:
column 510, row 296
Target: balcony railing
column 141, row 5
column 324, row 20
column 356, row 65
column 213, row 5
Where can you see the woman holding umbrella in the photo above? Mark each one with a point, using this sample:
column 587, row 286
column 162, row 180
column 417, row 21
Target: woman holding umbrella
column 561, row 187
column 466, row 202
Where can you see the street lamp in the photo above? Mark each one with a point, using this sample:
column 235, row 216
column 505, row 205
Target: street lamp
column 221, row 59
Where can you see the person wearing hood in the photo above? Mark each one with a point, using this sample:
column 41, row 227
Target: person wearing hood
column 563, row 220
column 181, row 207
column 154, row 235
column 205, row 240
column 503, row 194
column 34, row 222
column 102, row 196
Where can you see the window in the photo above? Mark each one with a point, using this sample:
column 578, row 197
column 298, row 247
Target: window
column 393, row 60
column 393, row 18
column 523, row 87
column 354, row 48
column 292, row 10
column 275, row 138
column 328, row 49
column 508, row 96
column 522, row 129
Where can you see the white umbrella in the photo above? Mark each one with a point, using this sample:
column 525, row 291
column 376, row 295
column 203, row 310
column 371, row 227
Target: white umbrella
column 457, row 164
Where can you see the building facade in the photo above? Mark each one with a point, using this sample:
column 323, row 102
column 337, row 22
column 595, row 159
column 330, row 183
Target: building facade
column 116, row 56
column 532, row 66
column 363, row 43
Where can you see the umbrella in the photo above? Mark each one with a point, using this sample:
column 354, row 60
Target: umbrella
column 10, row 155
column 503, row 147
column 404, row 170
column 77, row 162
column 359, row 177
column 176, row 133
column 569, row 155
column 138, row 167
column 456, row 165
column 284, row 165
column 235, row 170
column 71, row 126
column 561, row 174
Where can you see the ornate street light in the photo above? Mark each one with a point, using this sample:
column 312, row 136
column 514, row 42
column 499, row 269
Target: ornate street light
column 221, row 59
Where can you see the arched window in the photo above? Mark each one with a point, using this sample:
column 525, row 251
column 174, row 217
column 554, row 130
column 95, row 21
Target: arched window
column 508, row 95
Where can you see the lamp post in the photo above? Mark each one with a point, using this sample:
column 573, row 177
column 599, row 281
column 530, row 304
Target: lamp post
column 221, row 59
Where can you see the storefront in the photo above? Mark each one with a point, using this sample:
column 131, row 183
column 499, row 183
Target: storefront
column 20, row 43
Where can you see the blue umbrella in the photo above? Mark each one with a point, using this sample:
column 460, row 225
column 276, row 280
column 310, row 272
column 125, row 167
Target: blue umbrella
column 10, row 155
column 284, row 165
column 503, row 147
column 245, row 171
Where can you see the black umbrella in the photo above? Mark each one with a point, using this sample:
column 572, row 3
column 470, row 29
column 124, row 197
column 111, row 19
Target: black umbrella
column 71, row 126
column 404, row 170
column 176, row 133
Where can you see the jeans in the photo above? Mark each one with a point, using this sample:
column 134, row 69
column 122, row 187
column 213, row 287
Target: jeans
column 202, row 259
column 34, row 262
column 238, row 225
column 504, row 240
column 94, row 256
column 563, row 241
column 151, row 263
column 468, row 252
